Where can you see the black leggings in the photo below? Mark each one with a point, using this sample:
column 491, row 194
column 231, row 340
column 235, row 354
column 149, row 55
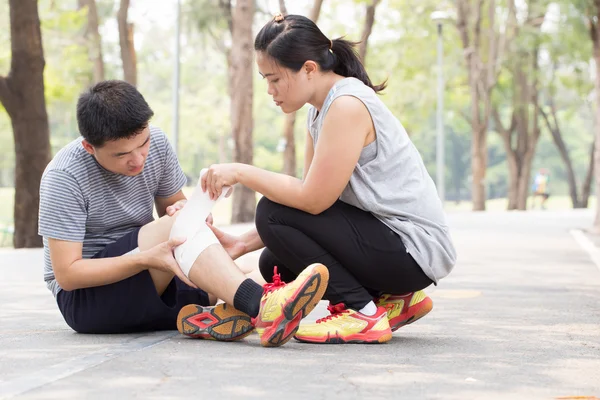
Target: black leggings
column 365, row 258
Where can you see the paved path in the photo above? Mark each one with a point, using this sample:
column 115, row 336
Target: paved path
column 519, row 318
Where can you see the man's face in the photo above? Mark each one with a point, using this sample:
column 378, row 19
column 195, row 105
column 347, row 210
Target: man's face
column 123, row 156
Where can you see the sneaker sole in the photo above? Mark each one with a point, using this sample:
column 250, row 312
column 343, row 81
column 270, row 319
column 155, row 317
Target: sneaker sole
column 416, row 312
column 358, row 338
column 221, row 322
column 305, row 299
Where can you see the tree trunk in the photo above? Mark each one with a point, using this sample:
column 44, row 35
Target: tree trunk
column 93, row 39
column 587, row 183
column 596, row 226
column 478, row 166
column 316, row 11
column 482, row 77
column 564, row 154
column 513, row 179
column 471, row 43
column 367, row 29
column 524, row 178
column 282, row 7
column 242, row 52
column 595, row 34
column 128, row 55
column 22, row 95
column 289, row 153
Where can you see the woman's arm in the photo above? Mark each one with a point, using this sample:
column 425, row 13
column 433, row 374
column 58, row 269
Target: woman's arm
column 338, row 149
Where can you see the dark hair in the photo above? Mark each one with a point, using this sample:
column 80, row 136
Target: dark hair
column 111, row 110
column 294, row 39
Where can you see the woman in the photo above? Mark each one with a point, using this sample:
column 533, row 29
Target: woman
column 366, row 206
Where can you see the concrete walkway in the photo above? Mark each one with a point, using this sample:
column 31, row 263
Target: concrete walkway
column 519, row 318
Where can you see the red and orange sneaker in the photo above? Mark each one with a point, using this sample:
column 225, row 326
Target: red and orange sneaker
column 221, row 322
column 282, row 305
column 406, row 308
column 347, row 326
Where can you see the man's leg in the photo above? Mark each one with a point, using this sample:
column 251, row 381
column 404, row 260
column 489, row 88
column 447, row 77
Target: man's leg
column 215, row 270
column 276, row 309
column 152, row 234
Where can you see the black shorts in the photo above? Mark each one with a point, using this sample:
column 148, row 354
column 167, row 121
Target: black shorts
column 130, row 305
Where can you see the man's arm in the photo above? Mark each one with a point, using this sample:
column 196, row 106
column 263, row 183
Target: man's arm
column 73, row 272
column 162, row 203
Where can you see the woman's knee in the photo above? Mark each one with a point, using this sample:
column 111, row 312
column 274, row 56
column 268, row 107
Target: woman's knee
column 264, row 211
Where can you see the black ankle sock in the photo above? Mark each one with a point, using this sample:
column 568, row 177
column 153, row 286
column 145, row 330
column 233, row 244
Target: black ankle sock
column 247, row 298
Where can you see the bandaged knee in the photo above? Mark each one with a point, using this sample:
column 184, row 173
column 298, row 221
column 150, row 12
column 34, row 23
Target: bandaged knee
column 191, row 224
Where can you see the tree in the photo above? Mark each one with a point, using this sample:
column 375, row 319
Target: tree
column 367, row 29
column 126, row 41
column 216, row 19
column 241, row 67
column 521, row 137
column 289, row 153
column 22, row 95
column 482, row 71
column 552, row 123
column 282, row 7
column 93, row 39
column 565, row 91
column 594, row 24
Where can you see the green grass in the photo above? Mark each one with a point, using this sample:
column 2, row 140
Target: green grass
column 7, row 198
column 222, row 211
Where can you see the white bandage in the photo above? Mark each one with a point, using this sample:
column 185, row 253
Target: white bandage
column 190, row 224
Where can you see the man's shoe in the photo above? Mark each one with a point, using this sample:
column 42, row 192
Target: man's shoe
column 221, row 322
column 282, row 305
column 347, row 326
column 405, row 309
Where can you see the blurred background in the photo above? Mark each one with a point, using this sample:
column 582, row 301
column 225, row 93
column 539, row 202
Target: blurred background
column 498, row 96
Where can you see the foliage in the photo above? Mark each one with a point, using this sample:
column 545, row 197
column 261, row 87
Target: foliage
column 402, row 49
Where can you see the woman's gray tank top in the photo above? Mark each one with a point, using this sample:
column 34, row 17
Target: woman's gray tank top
column 391, row 182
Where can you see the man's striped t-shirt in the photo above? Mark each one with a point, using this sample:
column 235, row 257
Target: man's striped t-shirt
column 80, row 201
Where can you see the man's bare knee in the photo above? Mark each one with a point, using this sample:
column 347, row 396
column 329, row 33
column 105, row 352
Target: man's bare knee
column 156, row 231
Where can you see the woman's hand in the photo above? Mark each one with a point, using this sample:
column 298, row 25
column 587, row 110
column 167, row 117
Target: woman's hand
column 217, row 176
column 233, row 245
column 172, row 209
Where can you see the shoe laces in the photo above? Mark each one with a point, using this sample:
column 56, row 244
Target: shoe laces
column 276, row 284
column 336, row 310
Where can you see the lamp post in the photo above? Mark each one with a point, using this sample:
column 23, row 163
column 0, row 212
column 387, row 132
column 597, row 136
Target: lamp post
column 176, row 67
column 439, row 17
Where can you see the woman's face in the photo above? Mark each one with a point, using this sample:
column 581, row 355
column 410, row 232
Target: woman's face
column 289, row 89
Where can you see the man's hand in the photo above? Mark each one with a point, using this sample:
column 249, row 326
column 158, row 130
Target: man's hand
column 161, row 257
column 234, row 246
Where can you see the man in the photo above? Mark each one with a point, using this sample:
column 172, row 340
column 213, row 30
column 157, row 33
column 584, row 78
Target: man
column 110, row 265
